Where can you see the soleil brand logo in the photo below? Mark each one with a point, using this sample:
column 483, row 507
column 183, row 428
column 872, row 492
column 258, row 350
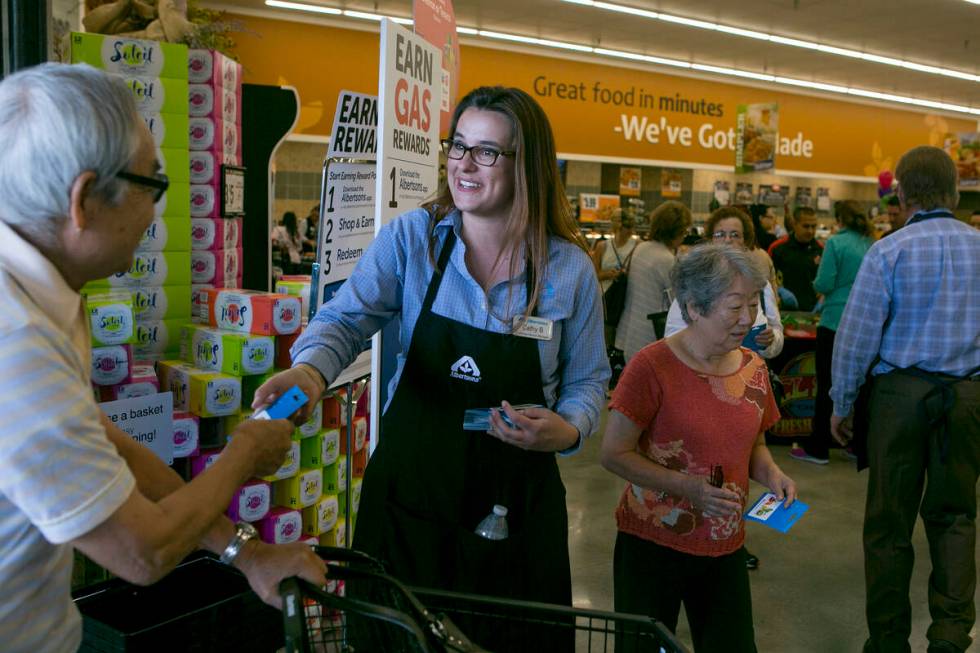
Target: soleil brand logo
column 179, row 391
column 287, row 314
column 197, row 99
column 143, row 267
column 107, row 364
column 253, row 502
column 141, row 90
column 288, row 528
column 131, row 53
column 223, row 395
column 465, row 369
column 199, row 265
column 180, row 437
column 258, row 354
column 312, row 487
column 199, row 232
column 143, row 301
column 198, row 131
column 146, row 335
column 111, row 323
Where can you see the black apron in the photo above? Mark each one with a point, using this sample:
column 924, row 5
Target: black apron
column 429, row 482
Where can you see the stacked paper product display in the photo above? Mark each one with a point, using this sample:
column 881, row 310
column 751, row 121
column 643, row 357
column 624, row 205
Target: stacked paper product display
column 215, row 140
column 159, row 278
column 297, row 285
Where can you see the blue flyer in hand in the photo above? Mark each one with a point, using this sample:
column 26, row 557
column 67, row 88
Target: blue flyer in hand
column 771, row 512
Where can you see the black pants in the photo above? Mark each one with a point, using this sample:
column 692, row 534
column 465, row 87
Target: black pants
column 818, row 444
column 908, row 476
column 654, row 580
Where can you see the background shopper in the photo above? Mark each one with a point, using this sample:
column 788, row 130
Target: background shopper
column 464, row 274
column 649, row 277
column 286, row 237
column 77, row 189
column 611, row 257
column 913, row 320
column 683, row 406
column 796, row 257
column 838, row 268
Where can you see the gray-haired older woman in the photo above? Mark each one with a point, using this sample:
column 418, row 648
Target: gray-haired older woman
column 687, row 471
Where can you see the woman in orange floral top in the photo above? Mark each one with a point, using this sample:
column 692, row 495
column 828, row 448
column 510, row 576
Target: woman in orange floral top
column 686, row 430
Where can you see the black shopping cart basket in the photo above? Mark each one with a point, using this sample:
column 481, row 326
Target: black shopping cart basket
column 365, row 610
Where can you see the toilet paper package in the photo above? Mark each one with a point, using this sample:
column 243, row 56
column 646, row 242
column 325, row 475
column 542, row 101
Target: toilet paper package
column 321, row 516
column 205, row 201
column 252, row 383
column 284, row 344
column 336, row 536
column 128, row 56
column 335, row 477
column 332, row 413
column 158, row 94
column 251, row 502
column 358, row 463
column 300, row 490
column 156, row 339
column 175, row 163
column 111, row 318
column 313, row 425
column 359, row 436
column 223, row 102
column 221, row 138
column 248, row 311
column 142, row 382
column 204, row 459
column 166, row 234
column 176, row 202
column 150, row 269
column 112, row 365
column 167, row 129
column 280, row 526
column 297, row 286
column 186, row 435
column 175, row 377
column 151, row 303
column 213, row 394
column 289, row 466
column 213, row 68
column 320, row 450
column 216, row 267
column 238, row 354
column 216, row 233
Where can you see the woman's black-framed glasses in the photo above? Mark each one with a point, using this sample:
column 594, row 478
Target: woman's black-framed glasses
column 159, row 182
column 483, row 155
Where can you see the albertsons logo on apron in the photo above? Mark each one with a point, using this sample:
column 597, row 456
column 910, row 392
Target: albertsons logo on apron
column 465, row 369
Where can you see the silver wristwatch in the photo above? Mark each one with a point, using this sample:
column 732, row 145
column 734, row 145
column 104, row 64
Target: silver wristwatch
column 243, row 533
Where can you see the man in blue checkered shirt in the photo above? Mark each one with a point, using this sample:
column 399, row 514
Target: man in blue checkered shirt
column 913, row 320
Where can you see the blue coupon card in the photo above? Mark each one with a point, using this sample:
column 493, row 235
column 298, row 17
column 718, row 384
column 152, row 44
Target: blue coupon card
column 770, row 511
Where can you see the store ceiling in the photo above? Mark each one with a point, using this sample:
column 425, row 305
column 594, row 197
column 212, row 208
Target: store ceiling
column 943, row 33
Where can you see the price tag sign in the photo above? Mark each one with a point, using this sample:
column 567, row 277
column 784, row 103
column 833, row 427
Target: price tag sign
column 232, row 191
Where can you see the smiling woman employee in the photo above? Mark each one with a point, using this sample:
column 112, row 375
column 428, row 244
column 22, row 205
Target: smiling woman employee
column 464, row 274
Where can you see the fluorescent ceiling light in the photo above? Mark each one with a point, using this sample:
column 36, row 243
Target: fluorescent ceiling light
column 782, row 40
column 661, row 61
column 301, row 6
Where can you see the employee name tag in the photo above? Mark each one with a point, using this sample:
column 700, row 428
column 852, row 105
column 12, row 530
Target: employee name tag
column 533, row 327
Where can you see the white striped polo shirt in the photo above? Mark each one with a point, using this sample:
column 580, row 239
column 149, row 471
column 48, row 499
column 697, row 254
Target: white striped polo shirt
column 60, row 477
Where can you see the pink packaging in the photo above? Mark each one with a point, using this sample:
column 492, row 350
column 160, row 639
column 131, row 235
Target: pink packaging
column 112, row 365
column 213, row 68
column 219, row 267
column 216, row 233
column 186, row 435
column 224, row 103
column 204, row 459
column 205, row 168
column 221, row 138
column 143, row 381
column 251, row 502
column 205, row 201
column 281, row 526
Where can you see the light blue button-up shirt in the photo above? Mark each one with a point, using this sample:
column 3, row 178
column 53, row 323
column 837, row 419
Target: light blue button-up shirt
column 392, row 277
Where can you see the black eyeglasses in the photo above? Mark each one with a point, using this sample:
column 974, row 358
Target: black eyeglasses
column 159, row 182
column 483, row 155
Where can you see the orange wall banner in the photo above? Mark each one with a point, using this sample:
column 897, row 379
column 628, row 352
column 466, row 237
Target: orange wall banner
column 603, row 110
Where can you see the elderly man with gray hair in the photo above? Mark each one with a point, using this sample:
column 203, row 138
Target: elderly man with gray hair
column 686, row 430
column 913, row 320
column 78, row 180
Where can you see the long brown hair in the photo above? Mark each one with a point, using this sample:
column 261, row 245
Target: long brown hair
column 853, row 217
column 540, row 208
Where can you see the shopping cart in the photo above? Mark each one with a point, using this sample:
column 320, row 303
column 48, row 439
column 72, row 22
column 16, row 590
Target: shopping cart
column 366, row 610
